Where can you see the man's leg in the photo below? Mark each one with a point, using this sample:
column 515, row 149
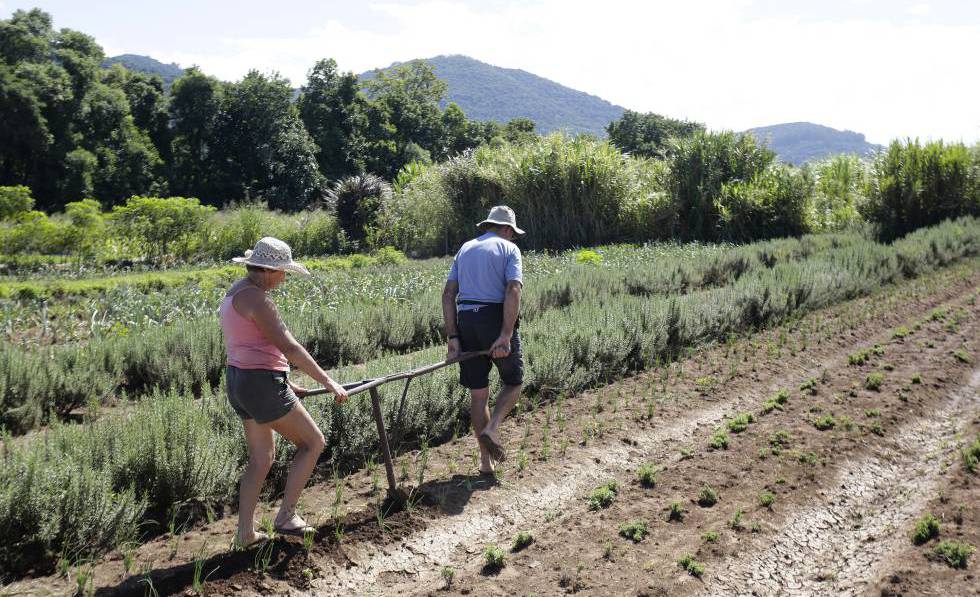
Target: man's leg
column 504, row 402
column 480, row 416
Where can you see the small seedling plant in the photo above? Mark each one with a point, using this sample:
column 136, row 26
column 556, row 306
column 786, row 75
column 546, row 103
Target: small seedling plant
column 493, row 558
column 692, row 566
column 635, row 530
column 953, row 553
column 707, row 497
column 521, row 540
column 603, row 496
column 925, row 529
column 646, row 475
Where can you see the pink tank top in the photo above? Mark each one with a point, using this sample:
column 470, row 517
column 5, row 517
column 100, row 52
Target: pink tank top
column 247, row 346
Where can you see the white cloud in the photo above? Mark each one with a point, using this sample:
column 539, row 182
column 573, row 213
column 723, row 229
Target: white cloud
column 702, row 59
column 920, row 9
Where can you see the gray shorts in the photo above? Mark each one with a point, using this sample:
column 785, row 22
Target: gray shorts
column 259, row 394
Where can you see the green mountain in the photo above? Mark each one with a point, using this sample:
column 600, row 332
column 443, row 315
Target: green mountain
column 145, row 64
column 799, row 142
column 487, row 92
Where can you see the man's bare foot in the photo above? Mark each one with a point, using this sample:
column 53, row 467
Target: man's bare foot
column 490, row 441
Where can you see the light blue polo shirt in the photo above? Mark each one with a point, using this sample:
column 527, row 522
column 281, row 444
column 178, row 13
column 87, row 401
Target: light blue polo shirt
column 483, row 267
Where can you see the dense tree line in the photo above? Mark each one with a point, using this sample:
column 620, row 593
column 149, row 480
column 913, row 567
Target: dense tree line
column 73, row 130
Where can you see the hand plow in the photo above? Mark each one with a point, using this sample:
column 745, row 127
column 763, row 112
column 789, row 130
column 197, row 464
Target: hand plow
column 395, row 494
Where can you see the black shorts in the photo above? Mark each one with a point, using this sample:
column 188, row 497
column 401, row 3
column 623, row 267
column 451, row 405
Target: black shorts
column 478, row 329
column 259, row 394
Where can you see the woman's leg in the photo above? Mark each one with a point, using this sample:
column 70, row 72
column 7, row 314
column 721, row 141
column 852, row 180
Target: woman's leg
column 298, row 427
column 261, row 453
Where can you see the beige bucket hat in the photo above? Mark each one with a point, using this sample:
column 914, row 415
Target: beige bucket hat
column 272, row 253
column 502, row 215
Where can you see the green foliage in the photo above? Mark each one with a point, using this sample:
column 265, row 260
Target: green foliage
column 522, row 540
column 839, row 193
column 953, row 553
column 707, row 497
column 710, row 537
column 925, row 528
column 740, row 423
column 692, row 566
column 719, row 441
column 602, row 496
column 588, row 256
column 874, row 381
column 647, row 475
column 766, row 499
column 635, row 530
column 162, row 225
column 971, row 456
column 14, row 201
column 915, row 185
column 825, row 423
column 493, row 558
column 357, row 200
column 700, row 167
column 770, row 204
column 649, row 135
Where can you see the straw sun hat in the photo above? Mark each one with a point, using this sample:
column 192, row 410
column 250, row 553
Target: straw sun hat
column 272, row 253
column 504, row 216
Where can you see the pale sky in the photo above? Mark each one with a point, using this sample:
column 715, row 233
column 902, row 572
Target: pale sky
column 886, row 68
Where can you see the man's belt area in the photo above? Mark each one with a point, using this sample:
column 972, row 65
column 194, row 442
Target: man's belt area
column 481, row 304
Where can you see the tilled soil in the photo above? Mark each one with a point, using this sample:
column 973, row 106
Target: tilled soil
column 842, row 498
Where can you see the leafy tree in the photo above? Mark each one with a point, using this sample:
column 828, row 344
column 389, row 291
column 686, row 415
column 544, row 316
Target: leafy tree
column 520, row 130
column 334, row 112
column 195, row 104
column 260, row 146
column 648, row 135
column 87, row 229
column 409, row 96
column 14, row 201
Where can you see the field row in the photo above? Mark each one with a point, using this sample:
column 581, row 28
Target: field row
column 170, row 455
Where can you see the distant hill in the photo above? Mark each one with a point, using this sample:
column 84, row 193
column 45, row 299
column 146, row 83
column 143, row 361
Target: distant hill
column 487, row 92
column 145, row 64
column 799, row 142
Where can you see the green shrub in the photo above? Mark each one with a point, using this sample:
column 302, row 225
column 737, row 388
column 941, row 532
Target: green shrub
column 915, row 185
column 825, row 422
column 766, row 499
column 719, row 441
column 522, row 540
column 162, row 226
column 971, row 456
column 493, row 558
column 15, row 201
column 602, row 496
column 770, row 204
column 647, row 475
column 874, row 381
column 588, row 256
column 635, row 531
column 357, row 201
column 954, row 553
column 926, row 528
column 740, row 423
column 692, row 566
column 707, row 497
column 839, row 193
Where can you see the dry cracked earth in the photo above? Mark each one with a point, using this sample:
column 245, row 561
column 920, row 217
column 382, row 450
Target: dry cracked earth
column 816, row 493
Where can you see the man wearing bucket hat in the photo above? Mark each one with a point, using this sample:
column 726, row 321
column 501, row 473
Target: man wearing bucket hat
column 480, row 306
column 260, row 349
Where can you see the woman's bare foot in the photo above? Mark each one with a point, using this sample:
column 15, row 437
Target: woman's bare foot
column 249, row 539
column 290, row 523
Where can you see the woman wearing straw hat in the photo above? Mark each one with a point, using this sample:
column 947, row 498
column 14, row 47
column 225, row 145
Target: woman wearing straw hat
column 260, row 349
